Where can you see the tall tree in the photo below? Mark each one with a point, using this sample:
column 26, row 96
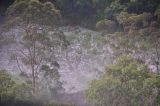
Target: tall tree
column 34, row 48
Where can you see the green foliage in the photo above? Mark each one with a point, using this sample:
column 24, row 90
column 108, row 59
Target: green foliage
column 105, row 24
column 125, row 83
column 10, row 90
column 23, row 92
column 51, row 71
column 123, row 17
column 37, row 44
column 114, row 9
column 13, row 94
column 132, row 13
column 50, row 78
column 59, row 40
column 6, row 84
column 39, row 47
column 137, row 24
column 33, row 11
column 137, row 20
column 89, row 10
column 75, row 10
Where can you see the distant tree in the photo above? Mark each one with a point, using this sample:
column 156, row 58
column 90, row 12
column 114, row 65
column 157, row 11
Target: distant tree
column 127, row 82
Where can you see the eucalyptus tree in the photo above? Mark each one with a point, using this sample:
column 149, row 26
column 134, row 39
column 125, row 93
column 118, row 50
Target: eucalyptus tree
column 34, row 48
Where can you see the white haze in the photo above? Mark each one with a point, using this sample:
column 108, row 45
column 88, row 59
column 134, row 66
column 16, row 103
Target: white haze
column 83, row 60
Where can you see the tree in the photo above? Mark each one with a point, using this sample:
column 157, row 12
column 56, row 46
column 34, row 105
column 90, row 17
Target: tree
column 127, row 82
column 34, row 48
column 34, row 51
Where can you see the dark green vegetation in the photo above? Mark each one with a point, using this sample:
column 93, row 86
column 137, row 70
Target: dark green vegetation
column 134, row 27
column 127, row 82
column 93, row 10
column 13, row 94
column 90, row 11
column 82, row 11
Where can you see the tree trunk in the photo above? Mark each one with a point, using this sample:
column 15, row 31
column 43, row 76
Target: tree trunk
column 33, row 69
column 157, row 57
column 33, row 79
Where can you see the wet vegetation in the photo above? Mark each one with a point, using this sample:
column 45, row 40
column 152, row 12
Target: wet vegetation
column 79, row 53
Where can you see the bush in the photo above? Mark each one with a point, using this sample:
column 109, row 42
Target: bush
column 105, row 24
column 14, row 94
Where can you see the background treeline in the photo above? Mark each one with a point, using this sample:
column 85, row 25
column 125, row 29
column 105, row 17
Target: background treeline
column 91, row 11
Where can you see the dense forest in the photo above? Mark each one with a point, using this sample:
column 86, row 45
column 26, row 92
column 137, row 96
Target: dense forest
column 80, row 53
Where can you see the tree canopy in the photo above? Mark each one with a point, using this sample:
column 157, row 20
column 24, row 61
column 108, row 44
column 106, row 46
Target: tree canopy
column 34, row 12
column 127, row 82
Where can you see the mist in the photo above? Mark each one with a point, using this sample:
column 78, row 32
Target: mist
column 79, row 53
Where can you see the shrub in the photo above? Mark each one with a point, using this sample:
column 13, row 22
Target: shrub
column 105, row 24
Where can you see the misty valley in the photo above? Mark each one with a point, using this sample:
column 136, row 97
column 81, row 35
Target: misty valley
column 80, row 53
